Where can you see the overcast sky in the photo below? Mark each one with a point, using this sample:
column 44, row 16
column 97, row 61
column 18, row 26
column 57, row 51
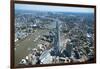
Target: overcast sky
column 53, row 8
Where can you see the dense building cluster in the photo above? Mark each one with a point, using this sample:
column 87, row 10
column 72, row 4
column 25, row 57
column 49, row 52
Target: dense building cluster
column 53, row 37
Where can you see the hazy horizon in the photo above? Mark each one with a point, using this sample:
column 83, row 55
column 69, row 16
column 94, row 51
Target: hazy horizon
column 53, row 8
